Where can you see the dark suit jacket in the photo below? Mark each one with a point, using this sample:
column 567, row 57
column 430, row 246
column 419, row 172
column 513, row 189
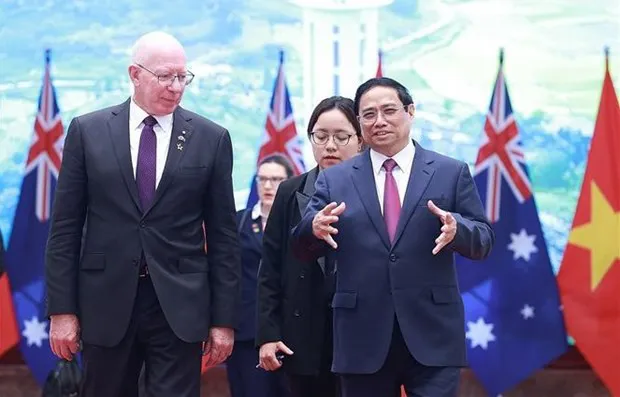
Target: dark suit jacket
column 251, row 242
column 98, row 281
column 292, row 304
column 378, row 281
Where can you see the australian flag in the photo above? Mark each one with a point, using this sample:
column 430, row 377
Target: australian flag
column 26, row 249
column 280, row 134
column 513, row 320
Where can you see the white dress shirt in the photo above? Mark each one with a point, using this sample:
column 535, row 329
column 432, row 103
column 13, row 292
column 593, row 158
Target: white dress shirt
column 163, row 131
column 404, row 162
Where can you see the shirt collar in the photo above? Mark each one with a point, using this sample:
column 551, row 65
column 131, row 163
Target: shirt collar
column 137, row 116
column 256, row 213
column 403, row 159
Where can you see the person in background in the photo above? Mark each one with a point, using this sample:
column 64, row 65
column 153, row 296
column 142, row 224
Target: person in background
column 294, row 318
column 244, row 377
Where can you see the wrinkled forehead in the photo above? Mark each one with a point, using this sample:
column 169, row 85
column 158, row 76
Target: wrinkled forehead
column 164, row 59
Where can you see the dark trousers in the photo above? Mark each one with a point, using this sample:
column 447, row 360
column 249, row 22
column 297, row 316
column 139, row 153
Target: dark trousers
column 400, row 368
column 171, row 366
column 245, row 380
column 325, row 384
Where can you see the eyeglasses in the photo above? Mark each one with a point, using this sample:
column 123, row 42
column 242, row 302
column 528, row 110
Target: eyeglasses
column 321, row 138
column 167, row 79
column 274, row 180
column 390, row 113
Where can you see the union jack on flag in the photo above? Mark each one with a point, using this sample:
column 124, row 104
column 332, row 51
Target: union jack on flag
column 501, row 152
column 46, row 151
column 513, row 322
column 280, row 134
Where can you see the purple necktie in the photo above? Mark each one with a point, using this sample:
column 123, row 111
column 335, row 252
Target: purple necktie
column 391, row 201
column 147, row 160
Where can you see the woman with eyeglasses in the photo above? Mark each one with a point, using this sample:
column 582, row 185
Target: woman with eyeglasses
column 294, row 318
column 244, row 378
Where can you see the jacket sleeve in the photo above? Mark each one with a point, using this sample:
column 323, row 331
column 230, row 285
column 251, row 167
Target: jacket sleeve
column 270, row 272
column 62, row 253
column 474, row 236
column 223, row 250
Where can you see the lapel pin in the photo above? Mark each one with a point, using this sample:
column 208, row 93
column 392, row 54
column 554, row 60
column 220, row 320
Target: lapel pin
column 181, row 138
column 183, row 132
column 179, row 146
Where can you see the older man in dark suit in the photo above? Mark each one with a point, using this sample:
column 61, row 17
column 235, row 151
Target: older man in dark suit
column 145, row 175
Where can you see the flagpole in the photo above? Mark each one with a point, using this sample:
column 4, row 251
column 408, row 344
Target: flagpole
column 606, row 50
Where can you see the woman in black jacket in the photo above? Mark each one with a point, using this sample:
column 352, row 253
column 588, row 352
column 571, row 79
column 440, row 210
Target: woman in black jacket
column 294, row 329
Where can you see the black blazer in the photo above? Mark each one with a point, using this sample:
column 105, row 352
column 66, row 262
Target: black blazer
column 251, row 242
column 292, row 304
column 96, row 277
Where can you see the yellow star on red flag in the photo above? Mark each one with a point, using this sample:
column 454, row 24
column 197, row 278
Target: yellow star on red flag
column 601, row 235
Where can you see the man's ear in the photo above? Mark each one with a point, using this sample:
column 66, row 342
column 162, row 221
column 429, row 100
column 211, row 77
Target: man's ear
column 411, row 110
column 133, row 71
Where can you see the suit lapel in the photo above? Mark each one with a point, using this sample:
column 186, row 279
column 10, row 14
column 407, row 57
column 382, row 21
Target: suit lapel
column 303, row 197
column 118, row 128
column 307, row 190
column 364, row 182
column 179, row 140
column 419, row 178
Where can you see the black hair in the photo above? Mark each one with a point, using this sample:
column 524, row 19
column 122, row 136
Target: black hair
column 401, row 90
column 345, row 105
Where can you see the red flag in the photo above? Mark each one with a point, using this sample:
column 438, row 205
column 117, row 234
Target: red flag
column 379, row 65
column 589, row 276
column 9, row 335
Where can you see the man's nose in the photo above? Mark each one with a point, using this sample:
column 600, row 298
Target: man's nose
column 380, row 119
column 176, row 86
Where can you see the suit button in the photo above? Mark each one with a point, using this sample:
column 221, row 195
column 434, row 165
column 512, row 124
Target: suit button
column 297, row 313
column 142, row 225
column 392, row 258
column 302, row 276
column 136, row 262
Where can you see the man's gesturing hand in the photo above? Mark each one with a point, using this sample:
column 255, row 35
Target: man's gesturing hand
column 448, row 229
column 322, row 223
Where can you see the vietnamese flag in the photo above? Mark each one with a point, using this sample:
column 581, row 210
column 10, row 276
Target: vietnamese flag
column 9, row 335
column 589, row 277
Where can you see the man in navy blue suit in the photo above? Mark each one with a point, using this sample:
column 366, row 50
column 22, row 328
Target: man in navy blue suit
column 392, row 219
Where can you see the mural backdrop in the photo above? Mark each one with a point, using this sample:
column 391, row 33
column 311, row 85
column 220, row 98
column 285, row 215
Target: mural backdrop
column 444, row 51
